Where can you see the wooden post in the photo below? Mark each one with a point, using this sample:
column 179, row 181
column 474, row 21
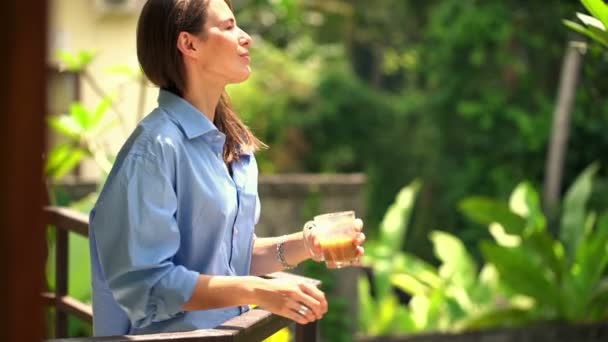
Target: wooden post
column 307, row 333
column 61, row 281
column 23, row 99
column 561, row 127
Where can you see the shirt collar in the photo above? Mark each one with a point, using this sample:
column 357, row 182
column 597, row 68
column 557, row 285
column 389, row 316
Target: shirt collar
column 191, row 121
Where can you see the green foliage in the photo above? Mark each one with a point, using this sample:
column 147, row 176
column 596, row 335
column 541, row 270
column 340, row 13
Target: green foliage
column 595, row 26
column 76, row 62
column 80, row 131
column 460, row 95
column 272, row 117
column 451, row 297
column 563, row 276
column 529, row 275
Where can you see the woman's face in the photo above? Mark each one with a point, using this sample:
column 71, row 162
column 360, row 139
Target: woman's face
column 223, row 51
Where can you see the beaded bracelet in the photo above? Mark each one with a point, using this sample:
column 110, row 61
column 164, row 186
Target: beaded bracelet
column 281, row 253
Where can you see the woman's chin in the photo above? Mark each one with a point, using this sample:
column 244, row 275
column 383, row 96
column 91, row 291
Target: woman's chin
column 244, row 76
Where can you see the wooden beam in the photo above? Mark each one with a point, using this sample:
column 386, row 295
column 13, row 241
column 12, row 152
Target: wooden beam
column 22, row 136
column 69, row 305
column 68, row 219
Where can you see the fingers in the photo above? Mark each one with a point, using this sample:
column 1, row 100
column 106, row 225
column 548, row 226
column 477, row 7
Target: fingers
column 358, row 224
column 319, row 298
column 360, row 239
column 307, row 304
column 316, row 247
column 300, row 313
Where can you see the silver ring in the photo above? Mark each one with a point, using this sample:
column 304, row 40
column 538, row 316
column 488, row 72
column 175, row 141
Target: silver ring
column 303, row 310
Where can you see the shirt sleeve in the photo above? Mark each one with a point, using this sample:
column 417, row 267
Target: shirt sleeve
column 136, row 239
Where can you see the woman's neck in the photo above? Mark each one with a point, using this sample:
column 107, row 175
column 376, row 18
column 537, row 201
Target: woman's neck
column 204, row 95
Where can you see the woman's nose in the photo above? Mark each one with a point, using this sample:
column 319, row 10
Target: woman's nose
column 245, row 39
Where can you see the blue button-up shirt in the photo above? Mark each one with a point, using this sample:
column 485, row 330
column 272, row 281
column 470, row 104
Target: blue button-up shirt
column 169, row 211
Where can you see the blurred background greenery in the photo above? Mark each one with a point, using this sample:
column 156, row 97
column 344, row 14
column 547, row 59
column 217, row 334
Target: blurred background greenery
column 455, row 98
column 457, row 93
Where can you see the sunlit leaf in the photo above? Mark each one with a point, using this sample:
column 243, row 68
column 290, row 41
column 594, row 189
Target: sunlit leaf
column 521, row 271
column 598, row 9
column 456, row 263
column 75, row 62
column 62, row 160
column 367, row 312
column 524, row 201
column 418, row 268
column 409, row 284
column 100, row 111
column 591, row 261
column 486, row 211
column 573, row 217
column 591, row 21
column 502, row 238
column 597, row 36
column 80, row 114
column 66, row 125
column 393, row 228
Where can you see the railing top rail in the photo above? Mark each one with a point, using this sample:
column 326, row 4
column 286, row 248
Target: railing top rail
column 68, row 219
column 254, row 325
column 250, row 326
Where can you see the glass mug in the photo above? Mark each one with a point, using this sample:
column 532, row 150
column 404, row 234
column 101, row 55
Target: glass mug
column 336, row 233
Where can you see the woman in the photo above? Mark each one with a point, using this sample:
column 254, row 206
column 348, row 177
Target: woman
column 172, row 242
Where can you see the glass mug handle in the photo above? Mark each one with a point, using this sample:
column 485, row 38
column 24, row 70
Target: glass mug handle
column 307, row 233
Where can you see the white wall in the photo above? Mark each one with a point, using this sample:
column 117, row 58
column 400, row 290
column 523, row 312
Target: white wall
column 78, row 24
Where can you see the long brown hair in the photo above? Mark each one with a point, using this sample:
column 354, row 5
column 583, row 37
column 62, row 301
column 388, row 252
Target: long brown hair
column 158, row 28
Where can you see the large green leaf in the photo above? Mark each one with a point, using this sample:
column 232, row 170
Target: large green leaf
column 75, row 62
column 81, row 115
column 403, row 322
column 100, row 111
column 67, row 126
column 590, row 264
column 62, row 159
column 367, row 312
column 385, row 315
column 501, row 237
column 549, row 251
column 525, row 202
column 573, row 216
column 598, row 9
column 393, row 228
column 598, row 308
column 486, row 211
column 382, row 277
column 591, row 32
column 418, row 268
column 409, row 284
column 426, row 309
column 521, row 271
column 456, row 264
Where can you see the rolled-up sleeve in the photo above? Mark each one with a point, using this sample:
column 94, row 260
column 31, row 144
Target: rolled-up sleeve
column 137, row 238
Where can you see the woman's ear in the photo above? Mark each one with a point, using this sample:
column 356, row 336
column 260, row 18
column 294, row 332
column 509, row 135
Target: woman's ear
column 186, row 44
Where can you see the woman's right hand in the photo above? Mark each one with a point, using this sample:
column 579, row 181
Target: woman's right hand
column 300, row 302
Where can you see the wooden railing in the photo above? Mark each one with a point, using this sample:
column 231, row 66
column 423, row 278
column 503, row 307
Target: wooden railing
column 254, row 325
